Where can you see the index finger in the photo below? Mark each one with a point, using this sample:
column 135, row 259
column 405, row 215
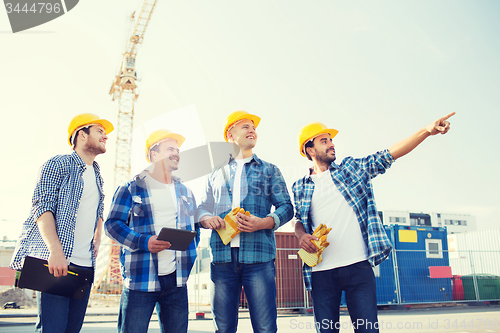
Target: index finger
column 448, row 116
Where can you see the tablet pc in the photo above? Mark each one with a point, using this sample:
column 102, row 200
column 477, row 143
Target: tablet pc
column 178, row 238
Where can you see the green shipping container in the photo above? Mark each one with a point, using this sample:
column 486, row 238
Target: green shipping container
column 487, row 285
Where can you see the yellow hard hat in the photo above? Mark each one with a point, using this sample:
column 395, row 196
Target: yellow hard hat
column 161, row 135
column 311, row 131
column 237, row 116
column 84, row 119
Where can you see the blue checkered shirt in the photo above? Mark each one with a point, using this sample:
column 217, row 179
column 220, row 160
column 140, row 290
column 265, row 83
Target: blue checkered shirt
column 58, row 190
column 353, row 179
column 130, row 223
column 262, row 187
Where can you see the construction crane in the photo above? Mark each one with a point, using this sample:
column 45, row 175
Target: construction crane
column 124, row 89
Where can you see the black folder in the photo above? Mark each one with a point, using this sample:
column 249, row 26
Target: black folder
column 179, row 238
column 35, row 276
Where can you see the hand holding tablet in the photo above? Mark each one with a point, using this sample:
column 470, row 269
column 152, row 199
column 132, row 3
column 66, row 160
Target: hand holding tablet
column 178, row 238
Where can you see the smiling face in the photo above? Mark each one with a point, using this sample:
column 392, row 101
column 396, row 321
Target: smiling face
column 243, row 134
column 95, row 141
column 168, row 151
column 323, row 151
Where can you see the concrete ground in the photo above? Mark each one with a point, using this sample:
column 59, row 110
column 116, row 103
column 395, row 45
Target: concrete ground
column 460, row 318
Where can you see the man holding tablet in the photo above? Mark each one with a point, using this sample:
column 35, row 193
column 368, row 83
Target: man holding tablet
column 154, row 275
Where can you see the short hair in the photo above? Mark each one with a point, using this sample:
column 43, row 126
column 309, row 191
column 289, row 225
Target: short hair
column 155, row 148
column 86, row 130
column 309, row 144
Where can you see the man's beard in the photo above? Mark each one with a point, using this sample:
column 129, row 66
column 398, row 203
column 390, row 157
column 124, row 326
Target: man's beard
column 324, row 158
column 94, row 148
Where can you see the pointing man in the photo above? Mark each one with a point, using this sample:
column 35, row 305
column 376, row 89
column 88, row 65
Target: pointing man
column 341, row 196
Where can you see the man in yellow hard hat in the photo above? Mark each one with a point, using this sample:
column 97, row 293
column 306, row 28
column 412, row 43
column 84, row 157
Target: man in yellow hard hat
column 154, row 275
column 65, row 224
column 254, row 185
column 341, row 196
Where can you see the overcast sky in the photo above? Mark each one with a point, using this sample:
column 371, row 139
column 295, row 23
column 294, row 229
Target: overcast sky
column 375, row 70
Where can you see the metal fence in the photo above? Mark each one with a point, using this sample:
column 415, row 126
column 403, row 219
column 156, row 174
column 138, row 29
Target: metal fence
column 404, row 278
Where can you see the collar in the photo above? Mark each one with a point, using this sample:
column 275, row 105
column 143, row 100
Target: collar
column 253, row 159
column 142, row 175
column 330, row 168
column 78, row 160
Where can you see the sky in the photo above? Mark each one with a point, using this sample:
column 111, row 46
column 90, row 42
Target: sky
column 377, row 71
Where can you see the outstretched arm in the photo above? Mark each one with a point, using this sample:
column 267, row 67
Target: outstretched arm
column 407, row 145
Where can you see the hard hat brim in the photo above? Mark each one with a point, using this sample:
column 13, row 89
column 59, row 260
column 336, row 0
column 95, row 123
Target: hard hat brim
column 107, row 125
column 331, row 131
column 177, row 137
column 255, row 119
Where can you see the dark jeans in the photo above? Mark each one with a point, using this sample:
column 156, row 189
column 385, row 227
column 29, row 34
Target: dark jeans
column 61, row 314
column 258, row 281
column 136, row 308
column 358, row 282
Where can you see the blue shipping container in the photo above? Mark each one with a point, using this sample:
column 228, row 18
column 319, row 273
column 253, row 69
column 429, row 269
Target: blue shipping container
column 416, row 249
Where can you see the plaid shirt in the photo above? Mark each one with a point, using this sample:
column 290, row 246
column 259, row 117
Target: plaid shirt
column 262, row 186
column 131, row 224
column 353, row 179
column 58, row 190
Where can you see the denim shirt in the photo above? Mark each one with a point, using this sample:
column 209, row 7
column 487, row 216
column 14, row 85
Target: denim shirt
column 131, row 224
column 353, row 179
column 59, row 189
column 262, row 187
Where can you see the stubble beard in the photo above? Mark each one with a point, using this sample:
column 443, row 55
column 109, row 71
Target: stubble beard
column 94, row 148
column 324, row 158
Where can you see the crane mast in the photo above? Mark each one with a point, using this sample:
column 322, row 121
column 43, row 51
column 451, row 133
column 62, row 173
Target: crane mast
column 125, row 91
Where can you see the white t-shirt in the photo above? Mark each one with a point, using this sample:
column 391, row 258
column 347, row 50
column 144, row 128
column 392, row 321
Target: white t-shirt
column 328, row 206
column 240, row 163
column 85, row 220
column 164, row 209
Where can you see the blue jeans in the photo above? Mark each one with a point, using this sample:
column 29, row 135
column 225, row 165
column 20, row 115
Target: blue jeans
column 358, row 282
column 136, row 308
column 60, row 314
column 258, row 281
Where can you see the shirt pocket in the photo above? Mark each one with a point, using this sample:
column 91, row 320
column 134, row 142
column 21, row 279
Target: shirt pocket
column 355, row 183
column 137, row 210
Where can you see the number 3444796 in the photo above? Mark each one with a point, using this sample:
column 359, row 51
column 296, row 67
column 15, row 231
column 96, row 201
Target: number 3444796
column 36, row 8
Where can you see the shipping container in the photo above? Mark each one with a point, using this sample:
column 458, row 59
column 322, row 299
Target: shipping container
column 289, row 278
column 417, row 250
column 385, row 277
column 290, row 291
